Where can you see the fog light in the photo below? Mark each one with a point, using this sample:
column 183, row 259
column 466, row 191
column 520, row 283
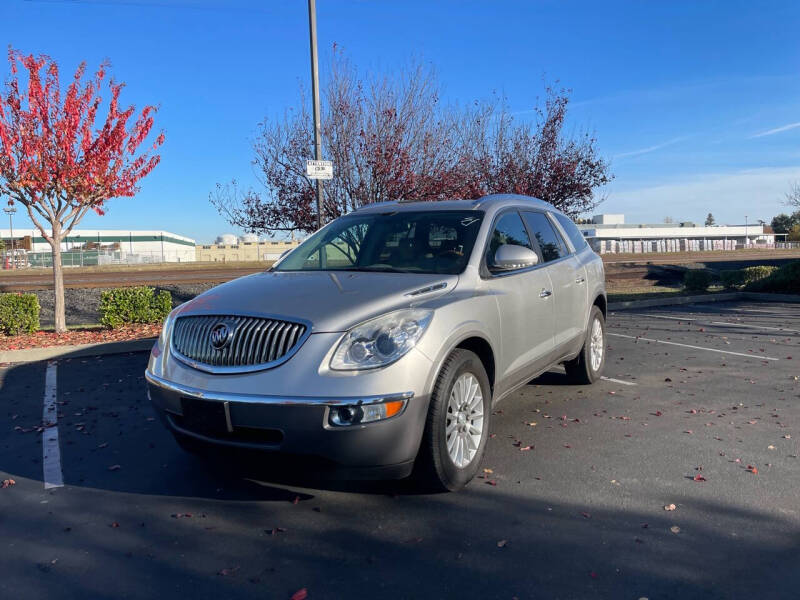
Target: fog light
column 342, row 416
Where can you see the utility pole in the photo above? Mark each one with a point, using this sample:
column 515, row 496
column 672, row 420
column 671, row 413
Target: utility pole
column 312, row 29
column 10, row 212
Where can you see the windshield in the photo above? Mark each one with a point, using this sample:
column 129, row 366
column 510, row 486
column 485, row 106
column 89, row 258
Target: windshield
column 406, row 242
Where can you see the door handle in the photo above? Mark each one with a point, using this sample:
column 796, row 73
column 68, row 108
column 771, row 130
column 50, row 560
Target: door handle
column 545, row 293
column 580, row 280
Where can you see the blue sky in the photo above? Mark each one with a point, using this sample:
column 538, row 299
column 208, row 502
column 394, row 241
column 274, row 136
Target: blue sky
column 697, row 104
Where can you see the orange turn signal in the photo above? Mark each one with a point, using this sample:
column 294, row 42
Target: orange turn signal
column 393, row 408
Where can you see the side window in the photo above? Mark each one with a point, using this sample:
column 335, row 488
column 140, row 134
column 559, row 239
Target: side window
column 508, row 230
column 550, row 243
column 573, row 233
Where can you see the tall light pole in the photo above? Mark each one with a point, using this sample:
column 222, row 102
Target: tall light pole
column 312, row 30
column 10, row 210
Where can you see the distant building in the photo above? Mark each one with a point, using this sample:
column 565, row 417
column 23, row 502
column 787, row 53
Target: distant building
column 610, row 234
column 244, row 251
column 87, row 247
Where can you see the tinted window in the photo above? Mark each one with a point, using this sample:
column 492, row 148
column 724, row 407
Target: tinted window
column 573, row 233
column 508, row 230
column 550, row 243
column 433, row 241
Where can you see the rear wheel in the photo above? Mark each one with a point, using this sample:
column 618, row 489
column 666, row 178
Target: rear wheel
column 458, row 423
column 587, row 367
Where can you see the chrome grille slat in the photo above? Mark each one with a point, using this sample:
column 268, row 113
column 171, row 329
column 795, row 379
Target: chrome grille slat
column 255, row 341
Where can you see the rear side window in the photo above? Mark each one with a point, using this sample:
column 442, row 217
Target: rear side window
column 550, row 243
column 573, row 233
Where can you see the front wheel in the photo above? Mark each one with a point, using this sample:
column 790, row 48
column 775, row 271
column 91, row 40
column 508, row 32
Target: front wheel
column 457, row 425
column 587, row 367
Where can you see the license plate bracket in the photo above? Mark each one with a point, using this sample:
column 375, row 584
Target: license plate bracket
column 209, row 417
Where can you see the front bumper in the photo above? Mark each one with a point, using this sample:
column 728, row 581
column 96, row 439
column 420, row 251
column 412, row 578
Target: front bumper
column 292, row 425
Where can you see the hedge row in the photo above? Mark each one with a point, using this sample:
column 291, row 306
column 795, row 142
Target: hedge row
column 19, row 313
column 741, row 277
column 785, row 279
column 123, row 306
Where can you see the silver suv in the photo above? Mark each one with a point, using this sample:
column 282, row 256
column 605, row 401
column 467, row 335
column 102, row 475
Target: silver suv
column 380, row 344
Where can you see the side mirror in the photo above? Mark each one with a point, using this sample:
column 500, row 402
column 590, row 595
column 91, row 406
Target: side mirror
column 510, row 257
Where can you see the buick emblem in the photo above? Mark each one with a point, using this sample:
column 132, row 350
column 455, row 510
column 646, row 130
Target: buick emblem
column 220, row 336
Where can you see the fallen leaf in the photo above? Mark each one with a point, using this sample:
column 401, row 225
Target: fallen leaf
column 502, row 543
column 670, row 507
column 115, row 525
column 7, row 483
column 699, row 477
column 492, row 482
column 230, row 571
column 752, row 469
column 586, row 515
column 300, row 594
column 770, row 447
column 675, row 529
column 114, row 468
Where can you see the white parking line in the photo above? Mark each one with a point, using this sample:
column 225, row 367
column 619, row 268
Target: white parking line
column 638, row 337
column 612, row 380
column 561, row 369
column 692, row 319
column 755, row 326
column 51, row 453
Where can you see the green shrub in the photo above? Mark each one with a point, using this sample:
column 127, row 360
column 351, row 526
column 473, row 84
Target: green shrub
column 122, row 306
column 785, row 280
column 741, row 277
column 751, row 274
column 731, row 280
column 19, row 313
column 696, row 280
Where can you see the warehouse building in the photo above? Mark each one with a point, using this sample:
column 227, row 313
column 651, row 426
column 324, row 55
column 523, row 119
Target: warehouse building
column 85, row 247
column 233, row 249
column 610, row 234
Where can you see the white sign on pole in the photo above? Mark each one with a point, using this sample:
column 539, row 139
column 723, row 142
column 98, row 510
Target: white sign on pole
column 319, row 169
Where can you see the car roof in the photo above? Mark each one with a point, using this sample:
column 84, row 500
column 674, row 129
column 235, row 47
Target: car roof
column 493, row 201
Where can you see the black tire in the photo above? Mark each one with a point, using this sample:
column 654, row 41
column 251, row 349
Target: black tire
column 434, row 468
column 579, row 370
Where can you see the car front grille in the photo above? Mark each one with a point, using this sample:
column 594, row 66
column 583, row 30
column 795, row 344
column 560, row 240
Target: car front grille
column 250, row 342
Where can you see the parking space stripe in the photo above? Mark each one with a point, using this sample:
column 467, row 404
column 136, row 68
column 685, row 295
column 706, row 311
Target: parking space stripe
column 51, row 452
column 755, row 326
column 612, row 380
column 693, row 319
column 637, row 337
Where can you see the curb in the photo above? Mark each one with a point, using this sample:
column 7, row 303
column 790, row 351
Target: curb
column 705, row 298
column 77, row 351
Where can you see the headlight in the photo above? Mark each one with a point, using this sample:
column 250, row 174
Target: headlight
column 381, row 341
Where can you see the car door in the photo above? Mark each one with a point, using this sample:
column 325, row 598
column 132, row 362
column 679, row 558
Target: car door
column 568, row 277
column 525, row 306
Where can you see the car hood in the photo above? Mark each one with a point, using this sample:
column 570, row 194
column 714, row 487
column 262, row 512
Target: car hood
column 330, row 300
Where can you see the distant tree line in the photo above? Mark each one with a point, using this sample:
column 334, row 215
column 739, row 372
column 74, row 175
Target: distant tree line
column 393, row 138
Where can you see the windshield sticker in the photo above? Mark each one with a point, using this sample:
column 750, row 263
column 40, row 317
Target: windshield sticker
column 467, row 221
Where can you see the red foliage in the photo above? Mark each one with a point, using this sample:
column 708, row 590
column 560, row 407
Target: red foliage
column 57, row 161
column 393, row 139
column 53, row 159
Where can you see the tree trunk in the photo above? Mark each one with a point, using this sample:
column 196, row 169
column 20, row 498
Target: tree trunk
column 58, row 283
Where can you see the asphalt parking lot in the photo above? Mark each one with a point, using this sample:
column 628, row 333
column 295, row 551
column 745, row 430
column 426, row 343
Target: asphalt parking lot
column 701, row 411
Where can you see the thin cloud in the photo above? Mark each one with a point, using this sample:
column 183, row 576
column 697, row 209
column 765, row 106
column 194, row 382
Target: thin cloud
column 651, row 148
column 777, row 130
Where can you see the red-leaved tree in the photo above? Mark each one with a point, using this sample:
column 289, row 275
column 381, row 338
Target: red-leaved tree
column 392, row 138
column 56, row 161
